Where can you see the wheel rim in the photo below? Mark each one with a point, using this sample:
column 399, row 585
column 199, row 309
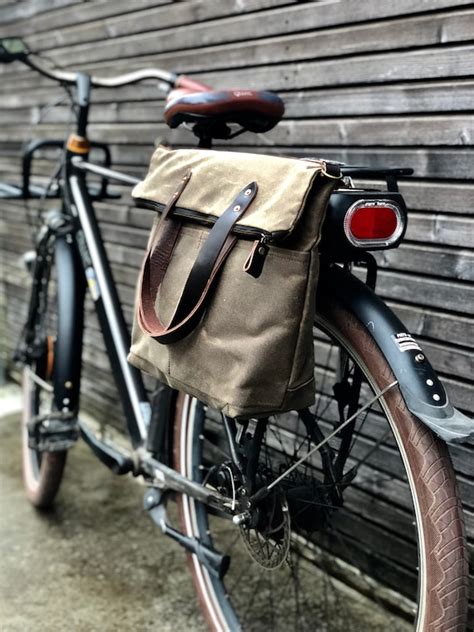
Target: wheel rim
column 38, row 389
column 31, row 457
column 223, row 617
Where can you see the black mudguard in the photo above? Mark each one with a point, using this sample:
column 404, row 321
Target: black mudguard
column 422, row 390
column 71, row 290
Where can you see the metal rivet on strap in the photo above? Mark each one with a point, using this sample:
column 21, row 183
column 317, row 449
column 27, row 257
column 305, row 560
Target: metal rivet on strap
column 236, row 208
column 248, row 192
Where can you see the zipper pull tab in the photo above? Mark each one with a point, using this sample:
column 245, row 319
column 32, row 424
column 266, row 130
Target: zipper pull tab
column 256, row 258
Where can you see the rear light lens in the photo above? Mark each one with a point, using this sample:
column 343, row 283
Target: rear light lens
column 373, row 223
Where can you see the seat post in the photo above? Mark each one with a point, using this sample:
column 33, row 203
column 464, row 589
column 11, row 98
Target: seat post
column 205, row 142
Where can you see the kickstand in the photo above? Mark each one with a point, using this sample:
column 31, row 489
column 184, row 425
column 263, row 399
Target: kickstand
column 155, row 503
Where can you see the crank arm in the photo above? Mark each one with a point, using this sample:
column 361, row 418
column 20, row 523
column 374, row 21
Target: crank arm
column 166, row 478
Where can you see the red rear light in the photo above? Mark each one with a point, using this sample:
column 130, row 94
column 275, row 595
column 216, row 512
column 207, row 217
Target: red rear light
column 373, row 223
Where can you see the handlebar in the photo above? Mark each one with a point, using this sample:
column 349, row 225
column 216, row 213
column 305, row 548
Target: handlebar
column 15, row 49
column 70, row 78
column 169, row 79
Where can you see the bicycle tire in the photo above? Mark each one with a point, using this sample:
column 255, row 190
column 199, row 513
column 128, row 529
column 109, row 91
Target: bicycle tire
column 442, row 553
column 42, row 471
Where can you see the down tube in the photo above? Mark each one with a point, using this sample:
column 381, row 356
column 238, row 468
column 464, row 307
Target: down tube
column 117, row 340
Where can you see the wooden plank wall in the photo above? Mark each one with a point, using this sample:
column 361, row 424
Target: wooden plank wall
column 367, row 83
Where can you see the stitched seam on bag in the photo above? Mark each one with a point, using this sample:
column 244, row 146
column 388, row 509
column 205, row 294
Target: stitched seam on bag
column 297, row 388
column 288, row 389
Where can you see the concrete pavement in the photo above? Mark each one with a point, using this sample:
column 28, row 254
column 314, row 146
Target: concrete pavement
column 94, row 563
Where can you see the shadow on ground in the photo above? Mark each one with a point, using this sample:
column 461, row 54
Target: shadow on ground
column 94, row 563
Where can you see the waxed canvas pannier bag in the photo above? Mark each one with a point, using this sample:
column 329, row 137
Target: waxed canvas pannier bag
column 226, row 295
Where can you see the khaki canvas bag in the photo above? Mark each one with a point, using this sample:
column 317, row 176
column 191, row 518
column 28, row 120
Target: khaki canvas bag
column 226, row 295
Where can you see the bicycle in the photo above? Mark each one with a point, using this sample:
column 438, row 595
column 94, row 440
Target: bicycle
column 278, row 515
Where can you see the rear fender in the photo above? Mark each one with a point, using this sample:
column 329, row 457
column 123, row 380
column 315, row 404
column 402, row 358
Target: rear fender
column 421, row 388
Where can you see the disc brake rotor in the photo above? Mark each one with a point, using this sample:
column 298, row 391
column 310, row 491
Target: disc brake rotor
column 269, row 543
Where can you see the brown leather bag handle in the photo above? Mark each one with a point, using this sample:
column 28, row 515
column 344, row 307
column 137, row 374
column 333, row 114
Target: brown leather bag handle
column 210, row 259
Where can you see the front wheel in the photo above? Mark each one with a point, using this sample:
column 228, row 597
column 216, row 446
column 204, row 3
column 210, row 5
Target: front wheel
column 55, row 320
column 42, row 471
column 380, row 546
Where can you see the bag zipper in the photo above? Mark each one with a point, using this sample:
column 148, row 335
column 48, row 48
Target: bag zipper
column 248, row 232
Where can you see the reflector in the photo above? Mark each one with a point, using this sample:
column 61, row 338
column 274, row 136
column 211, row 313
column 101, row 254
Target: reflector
column 373, row 223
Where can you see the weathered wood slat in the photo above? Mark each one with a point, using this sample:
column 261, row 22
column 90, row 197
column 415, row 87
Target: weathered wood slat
column 364, row 69
column 452, row 197
column 64, row 17
column 419, row 64
column 460, row 393
column 384, row 99
column 144, row 19
column 450, row 263
column 414, row 130
column 24, row 10
column 278, row 21
column 426, row 162
column 439, row 229
column 378, row 99
column 404, row 33
column 393, row 131
column 453, row 296
column 395, row 100
column 436, row 325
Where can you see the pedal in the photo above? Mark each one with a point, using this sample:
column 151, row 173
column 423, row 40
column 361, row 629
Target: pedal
column 52, row 434
column 215, row 562
column 108, row 454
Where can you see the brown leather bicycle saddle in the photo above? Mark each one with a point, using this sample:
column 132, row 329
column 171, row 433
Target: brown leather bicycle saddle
column 255, row 110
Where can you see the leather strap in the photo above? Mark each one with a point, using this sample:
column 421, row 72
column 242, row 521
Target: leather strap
column 210, row 259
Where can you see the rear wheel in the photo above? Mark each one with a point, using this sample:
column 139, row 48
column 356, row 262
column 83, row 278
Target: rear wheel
column 391, row 554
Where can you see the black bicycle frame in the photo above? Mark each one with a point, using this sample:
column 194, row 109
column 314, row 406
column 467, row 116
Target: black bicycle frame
column 99, row 278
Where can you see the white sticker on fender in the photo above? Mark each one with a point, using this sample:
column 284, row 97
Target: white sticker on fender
column 405, row 342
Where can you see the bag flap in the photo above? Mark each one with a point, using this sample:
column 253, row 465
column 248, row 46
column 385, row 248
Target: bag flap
column 218, row 176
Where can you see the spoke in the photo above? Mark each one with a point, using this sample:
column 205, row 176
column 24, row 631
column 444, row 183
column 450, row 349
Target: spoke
column 330, row 436
column 39, row 381
column 369, row 453
column 232, row 544
column 323, row 381
column 246, row 569
column 277, row 437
